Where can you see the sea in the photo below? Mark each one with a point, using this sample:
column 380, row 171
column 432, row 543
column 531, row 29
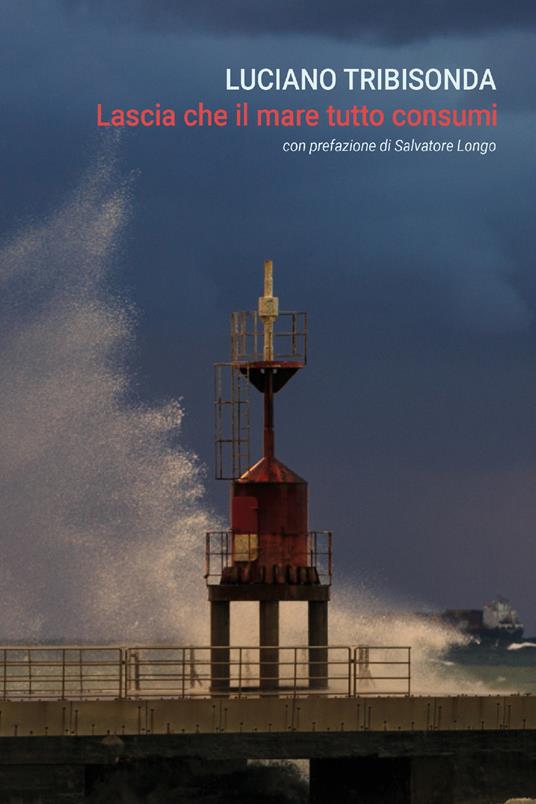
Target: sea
column 497, row 668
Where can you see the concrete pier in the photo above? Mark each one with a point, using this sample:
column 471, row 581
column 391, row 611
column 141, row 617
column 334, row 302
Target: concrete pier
column 405, row 750
column 369, row 768
column 439, row 768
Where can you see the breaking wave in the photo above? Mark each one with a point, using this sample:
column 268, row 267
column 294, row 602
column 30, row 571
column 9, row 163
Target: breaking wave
column 101, row 506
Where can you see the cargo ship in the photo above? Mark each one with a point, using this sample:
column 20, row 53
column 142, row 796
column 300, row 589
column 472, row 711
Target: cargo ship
column 498, row 622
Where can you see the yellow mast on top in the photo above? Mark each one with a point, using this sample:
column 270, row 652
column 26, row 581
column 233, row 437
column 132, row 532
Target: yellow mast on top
column 268, row 311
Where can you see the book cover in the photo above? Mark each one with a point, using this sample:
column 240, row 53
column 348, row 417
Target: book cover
column 267, row 401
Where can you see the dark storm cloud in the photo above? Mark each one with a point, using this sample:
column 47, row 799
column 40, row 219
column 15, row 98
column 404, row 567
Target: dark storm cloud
column 381, row 20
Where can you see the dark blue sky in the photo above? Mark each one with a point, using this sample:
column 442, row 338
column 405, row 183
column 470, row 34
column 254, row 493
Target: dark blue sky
column 414, row 422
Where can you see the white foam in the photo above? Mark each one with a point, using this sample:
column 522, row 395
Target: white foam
column 521, row 645
column 102, row 517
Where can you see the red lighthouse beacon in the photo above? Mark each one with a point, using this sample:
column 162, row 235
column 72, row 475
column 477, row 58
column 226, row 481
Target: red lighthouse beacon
column 268, row 555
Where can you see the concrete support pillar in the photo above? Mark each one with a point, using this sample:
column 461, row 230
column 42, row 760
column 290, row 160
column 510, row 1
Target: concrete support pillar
column 432, row 780
column 220, row 637
column 318, row 636
column 363, row 780
column 269, row 635
column 378, row 780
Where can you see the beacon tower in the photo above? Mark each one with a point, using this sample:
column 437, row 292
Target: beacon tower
column 268, row 554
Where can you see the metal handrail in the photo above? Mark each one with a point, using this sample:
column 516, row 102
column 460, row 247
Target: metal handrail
column 73, row 672
column 219, row 552
column 61, row 672
column 290, row 336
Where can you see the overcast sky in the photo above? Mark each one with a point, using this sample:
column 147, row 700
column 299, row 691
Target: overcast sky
column 415, row 419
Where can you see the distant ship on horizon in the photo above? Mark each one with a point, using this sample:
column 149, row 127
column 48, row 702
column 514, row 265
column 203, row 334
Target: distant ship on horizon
column 496, row 622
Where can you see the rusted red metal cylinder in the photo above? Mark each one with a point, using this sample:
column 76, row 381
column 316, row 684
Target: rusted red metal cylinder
column 269, row 520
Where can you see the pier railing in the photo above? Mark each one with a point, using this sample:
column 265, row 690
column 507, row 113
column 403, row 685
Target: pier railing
column 290, row 336
column 221, row 551
column 90, row 673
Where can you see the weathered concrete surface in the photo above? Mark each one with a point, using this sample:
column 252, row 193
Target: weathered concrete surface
column 267, row 714
column 284, row 745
